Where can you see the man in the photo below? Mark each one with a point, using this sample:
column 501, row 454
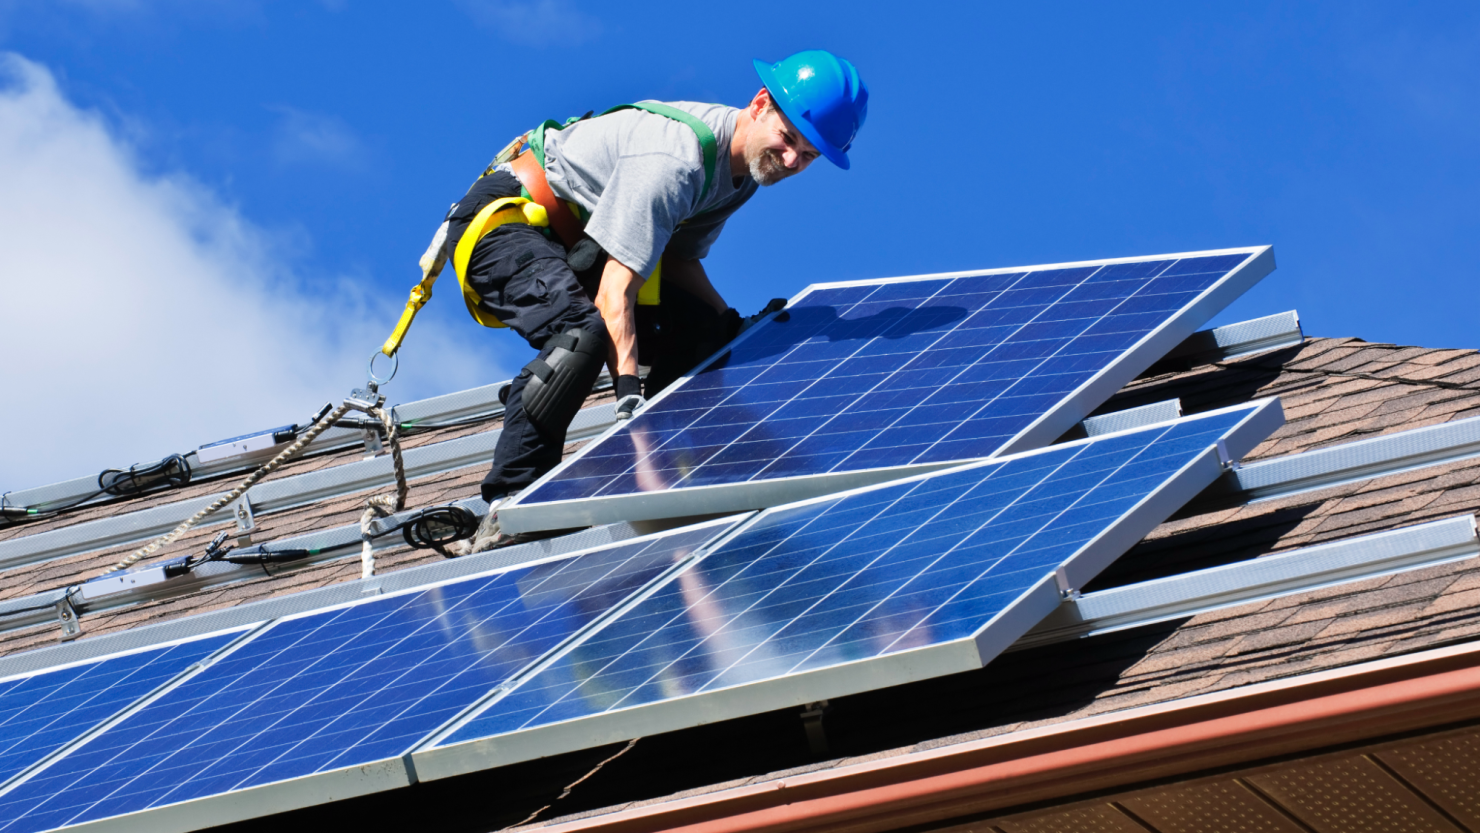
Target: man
column 623, row 192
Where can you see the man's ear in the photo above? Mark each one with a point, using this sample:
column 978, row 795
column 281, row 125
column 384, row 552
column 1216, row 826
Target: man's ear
column 759, row 102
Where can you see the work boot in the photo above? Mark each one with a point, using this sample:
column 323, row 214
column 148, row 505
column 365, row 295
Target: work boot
column 489, row 536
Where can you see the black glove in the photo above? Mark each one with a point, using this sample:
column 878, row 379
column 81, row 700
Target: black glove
column 629, row 396
column 774, row 305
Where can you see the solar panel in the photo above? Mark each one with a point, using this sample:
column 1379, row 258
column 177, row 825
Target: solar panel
column 331, row 692
column 43, row 711
column 917, row 578
column 862, row 382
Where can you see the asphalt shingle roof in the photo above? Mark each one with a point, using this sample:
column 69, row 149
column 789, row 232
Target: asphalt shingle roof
column 1333, row 391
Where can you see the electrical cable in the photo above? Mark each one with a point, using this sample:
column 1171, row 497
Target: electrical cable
column 171, row 472
column 436, row 527
column 25, row 514
column 431, row 528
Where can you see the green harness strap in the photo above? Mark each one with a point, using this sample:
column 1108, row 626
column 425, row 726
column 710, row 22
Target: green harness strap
column 708, row 144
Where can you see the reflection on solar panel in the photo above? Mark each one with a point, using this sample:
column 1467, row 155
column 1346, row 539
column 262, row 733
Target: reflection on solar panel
column 888, row 584
column 861, row 382
column 333, row 690
column 41, row 712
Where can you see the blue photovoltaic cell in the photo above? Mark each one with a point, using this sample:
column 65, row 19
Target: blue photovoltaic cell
column 887, row 569
column 892, row 374
column 41, row 712
column 338, row 688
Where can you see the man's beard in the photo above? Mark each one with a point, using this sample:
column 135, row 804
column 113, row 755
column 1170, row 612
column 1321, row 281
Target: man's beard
column 768, row 169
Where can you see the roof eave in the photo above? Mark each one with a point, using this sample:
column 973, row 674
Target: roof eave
column 1296, row 715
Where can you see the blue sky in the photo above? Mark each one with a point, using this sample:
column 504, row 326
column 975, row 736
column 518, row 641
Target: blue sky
column 182, row 173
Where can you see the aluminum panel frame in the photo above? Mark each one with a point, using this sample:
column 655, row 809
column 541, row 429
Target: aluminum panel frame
column 1138, row 522
column 697, row 709
column 520, row 516
column 702, row 500
column 255, row 802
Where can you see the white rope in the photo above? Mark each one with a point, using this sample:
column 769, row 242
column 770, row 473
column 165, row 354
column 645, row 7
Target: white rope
column 287, row 454
column 382, row 506
column 378, row 506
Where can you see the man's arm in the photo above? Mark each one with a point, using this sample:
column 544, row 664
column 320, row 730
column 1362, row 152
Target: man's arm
column 690, row 276
column 616, row 299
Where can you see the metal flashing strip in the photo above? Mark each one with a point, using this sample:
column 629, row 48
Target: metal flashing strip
column 1242, row 339
column 595, row 486
column 1126, row 420
column 275, row 495
column 1360, row 460
column 1267, row 577
column 450, row 407
column 273, row 608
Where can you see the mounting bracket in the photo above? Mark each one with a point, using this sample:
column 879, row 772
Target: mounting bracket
column 812, row 721
column 68, row 617
column 246, row 522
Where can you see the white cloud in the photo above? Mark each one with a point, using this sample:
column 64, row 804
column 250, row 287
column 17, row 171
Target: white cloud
column 140, row 315
column 316, row 139
column 535, row 22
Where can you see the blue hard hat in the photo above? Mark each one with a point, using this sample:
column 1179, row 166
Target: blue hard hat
column 822, row 95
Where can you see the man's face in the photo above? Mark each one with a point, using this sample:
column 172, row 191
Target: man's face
column 775, row 149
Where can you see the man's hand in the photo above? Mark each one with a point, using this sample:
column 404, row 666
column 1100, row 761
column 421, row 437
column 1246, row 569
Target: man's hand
column 776, row 305
column 629, row 396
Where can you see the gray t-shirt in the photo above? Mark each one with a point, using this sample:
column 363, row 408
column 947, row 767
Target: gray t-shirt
column 640, row 175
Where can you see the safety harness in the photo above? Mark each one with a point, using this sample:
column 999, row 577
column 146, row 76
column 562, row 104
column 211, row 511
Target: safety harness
column 536, row 206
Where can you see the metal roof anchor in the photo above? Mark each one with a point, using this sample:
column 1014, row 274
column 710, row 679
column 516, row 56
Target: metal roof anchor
column 68, row 617
column 246, row 522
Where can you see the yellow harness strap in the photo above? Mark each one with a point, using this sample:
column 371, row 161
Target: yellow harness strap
column 431, row 267
column 648, row 294
column 493, row 215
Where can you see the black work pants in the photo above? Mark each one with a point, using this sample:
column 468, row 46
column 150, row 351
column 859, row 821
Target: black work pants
column 524, row 281
column 673, row 337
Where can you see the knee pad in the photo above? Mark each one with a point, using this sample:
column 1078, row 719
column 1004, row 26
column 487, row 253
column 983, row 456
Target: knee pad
column 560, row 382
